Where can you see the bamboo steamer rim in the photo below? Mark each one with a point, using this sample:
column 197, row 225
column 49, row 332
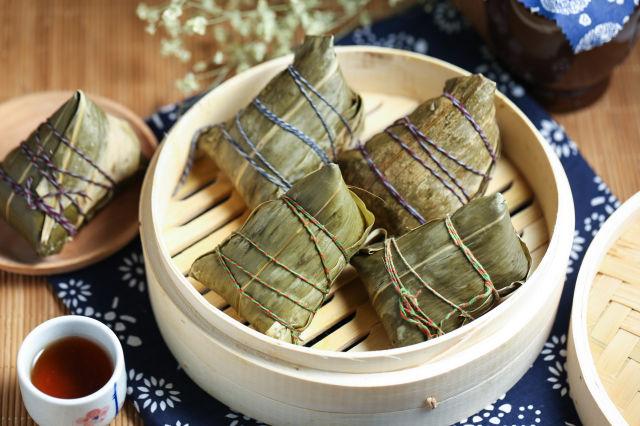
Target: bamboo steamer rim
column 563, row 219
column 606, row 237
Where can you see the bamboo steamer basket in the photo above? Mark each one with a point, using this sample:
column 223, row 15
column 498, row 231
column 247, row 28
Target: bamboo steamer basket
column 603, row 355
column 347, row 373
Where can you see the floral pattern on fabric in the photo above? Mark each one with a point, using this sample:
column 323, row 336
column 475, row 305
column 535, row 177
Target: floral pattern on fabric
column 115, row 292
column 585, row 23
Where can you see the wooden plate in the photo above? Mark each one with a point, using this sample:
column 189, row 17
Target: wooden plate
column 112, row 228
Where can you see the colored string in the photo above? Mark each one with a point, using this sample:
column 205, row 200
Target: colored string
column 463, row 110
column 286, row 185
column 389, row 186
column 191, row 157
column 63, row 140
column 447, row 178
column 303, row 213
column 288, row 127
column 274, row 178
column 282, row 265
column 263, row 167
column 422, row 138
column 306, row 220
column 408, row 304
column 256, row 302
column 455, row 237
column 424, row 164
column 35, row 202
column 48, row 170
column 301, row 82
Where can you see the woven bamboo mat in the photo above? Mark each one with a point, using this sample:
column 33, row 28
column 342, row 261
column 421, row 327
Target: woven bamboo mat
column 23, row 305
column 613, row 321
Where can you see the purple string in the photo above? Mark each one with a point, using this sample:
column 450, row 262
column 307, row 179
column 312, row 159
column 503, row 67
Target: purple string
column 277, row 180
column 299, row 76
column 270, row 172
column 191, row 156
column 389, row 186
column 45, row 167
column 473, row 122
column 297, row 80
column 285, row 184
column 43, row 162
column 424, row 142
column 35, row 202
column 421, row 138
column 424, row 163
column 63, row 139
column 416, row 135
column 288, row 127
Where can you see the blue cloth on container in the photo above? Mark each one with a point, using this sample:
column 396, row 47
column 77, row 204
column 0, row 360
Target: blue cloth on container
column 585, row 23
column 114, row 290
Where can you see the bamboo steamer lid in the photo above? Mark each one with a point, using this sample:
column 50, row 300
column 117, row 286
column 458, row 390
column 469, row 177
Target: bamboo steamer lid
column 603, row 361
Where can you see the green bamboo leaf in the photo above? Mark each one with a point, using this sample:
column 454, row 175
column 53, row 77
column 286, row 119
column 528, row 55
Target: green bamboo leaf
column 316, row 61
column 106, row 141
column 435, row 273
column 278, row 268
column 433, row 193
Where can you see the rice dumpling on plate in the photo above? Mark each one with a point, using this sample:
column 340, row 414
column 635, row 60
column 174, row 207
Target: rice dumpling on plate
column 431, row 162
column 277, row 270
column 297, row 123
column 65, row 171
column 445, row 273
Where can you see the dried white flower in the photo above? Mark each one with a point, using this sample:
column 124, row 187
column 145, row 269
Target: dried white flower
column 196, row 25
column 189, row 83
column 218, row 57
column 245, row 35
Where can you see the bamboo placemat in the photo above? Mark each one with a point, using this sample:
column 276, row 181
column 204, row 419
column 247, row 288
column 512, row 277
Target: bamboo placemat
column 26, row 302
column 29, row 29
column 613, row 321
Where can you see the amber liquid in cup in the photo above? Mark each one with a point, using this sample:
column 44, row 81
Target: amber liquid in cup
column 72, row 367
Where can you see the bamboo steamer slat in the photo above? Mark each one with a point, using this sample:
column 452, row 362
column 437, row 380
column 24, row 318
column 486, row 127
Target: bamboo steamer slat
column 603, row 360
column 347, row 373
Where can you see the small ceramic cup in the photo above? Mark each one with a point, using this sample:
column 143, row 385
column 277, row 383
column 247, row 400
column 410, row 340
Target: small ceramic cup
column 100, row 407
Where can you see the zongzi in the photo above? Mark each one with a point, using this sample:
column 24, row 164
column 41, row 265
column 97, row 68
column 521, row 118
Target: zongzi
column 297, row 123
column 277, row 270
column 430, row 163
column 445, row 273
column 66, row 170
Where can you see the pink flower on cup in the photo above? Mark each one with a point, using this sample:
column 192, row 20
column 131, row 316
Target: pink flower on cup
column 93, row 417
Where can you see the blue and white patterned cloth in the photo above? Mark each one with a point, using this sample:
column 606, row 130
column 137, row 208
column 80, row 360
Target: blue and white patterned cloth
column 114, row 291
column 585, row 23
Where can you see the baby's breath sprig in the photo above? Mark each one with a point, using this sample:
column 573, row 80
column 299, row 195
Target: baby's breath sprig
column 245, row 32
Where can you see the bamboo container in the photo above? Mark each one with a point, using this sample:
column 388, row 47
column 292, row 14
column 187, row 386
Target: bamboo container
column 603, row 353
column 346, row 373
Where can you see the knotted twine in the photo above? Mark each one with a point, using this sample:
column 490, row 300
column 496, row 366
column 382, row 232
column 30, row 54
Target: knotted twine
column 449, row 181
column 262, row 165
column 48, row 170
column 408, row 304
column 308, row 222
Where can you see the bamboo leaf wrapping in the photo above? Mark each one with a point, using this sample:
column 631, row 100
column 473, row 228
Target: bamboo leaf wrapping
column 316, row 62
column 436, row 276
column 276, row 270
column 457, row 146
column 109, row 147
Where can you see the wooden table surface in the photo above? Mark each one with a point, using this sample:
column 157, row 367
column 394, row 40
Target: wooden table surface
column 100, row 46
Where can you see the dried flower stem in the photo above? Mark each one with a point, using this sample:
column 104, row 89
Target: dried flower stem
column 245, row 32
